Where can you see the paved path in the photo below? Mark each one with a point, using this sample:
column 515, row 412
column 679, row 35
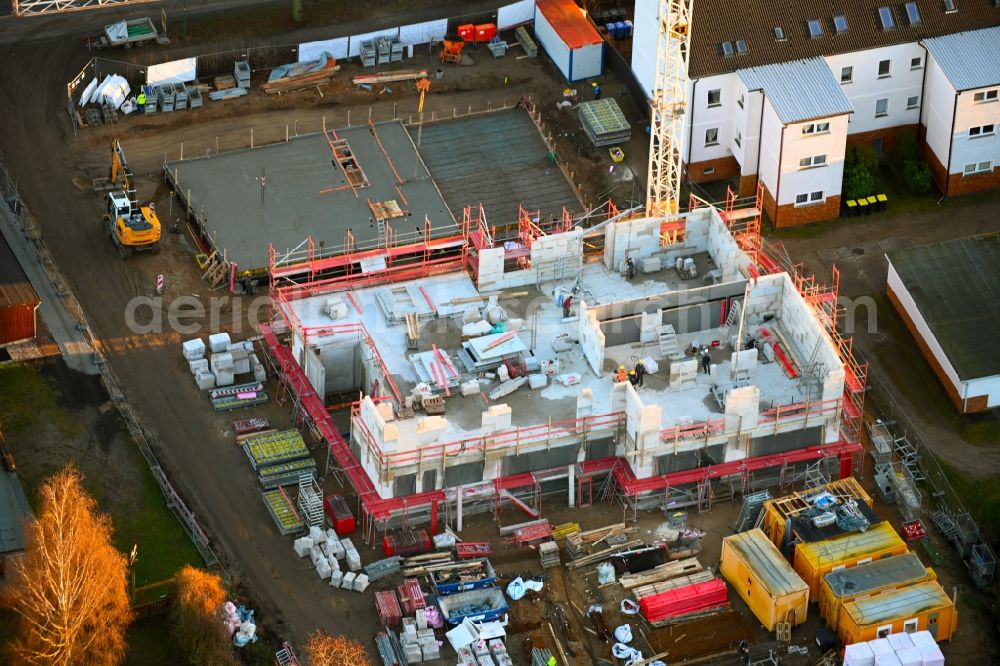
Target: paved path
column 72, row 343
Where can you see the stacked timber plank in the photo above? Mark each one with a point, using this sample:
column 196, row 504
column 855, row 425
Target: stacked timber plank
column 301, row 75
column 577, row 543
column 660, row 573
column 604, row 122
column 389, row 77
column 685, row 603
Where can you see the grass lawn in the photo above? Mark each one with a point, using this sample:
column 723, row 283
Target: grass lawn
column 25, row 399
column 980, row 496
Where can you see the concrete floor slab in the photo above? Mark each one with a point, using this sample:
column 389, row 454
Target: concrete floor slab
column 306, row 193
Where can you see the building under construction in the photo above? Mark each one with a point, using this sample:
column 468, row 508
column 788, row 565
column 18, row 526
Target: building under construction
column 472, row 386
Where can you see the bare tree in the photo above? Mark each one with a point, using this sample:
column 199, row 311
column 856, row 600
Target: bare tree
column 70, row 587
column 197, row 615
column 322, row 649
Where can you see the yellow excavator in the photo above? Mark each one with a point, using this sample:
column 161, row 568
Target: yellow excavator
column 133, row 228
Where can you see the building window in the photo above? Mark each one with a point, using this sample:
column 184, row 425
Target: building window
column 712, row 136
column 807, row 199
column 910, row 626
column 882, row 107
column 727, row 49
column 815, row 29
column 982, row 130
column 739, row 140
column 840, row 23
column 813, row 161
column 714, row 97
column 741, row 47
column 779, row 33
column 708, row 171
column 913, row 13
column 846, row 74
column 985, row 96
column 883, row 631
column 912, row 102
column 885, row 16
column 916, row 63
column 884, row 68
column 816, row 128
column 949, row 7
column 977, row 167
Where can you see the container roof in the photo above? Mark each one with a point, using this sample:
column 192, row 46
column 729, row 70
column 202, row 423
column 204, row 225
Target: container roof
column 569, row 22
column 902, row 603
column 849, row 546
column 956, row 287
column 14, row 510
column 15, row 289
column 875, row 575
column 766, row 562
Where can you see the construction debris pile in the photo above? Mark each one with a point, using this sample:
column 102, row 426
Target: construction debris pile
column 301, row 75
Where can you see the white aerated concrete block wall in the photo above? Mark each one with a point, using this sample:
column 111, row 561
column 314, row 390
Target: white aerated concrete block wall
column 591, row 339
column 643, row 422
column 634, row 238
column 496, row 418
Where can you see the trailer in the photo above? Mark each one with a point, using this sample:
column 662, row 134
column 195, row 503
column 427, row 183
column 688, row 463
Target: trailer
column 476, row 605
column 128, row 33
column 460, row 580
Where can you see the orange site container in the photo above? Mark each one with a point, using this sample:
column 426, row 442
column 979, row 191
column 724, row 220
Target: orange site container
column 467, row 32
column 485, row 32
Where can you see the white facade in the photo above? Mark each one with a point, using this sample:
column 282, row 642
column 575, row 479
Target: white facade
column 975, row 131
column 868, row 86
column 966, row 390
column 938, row 112
column 713, row 114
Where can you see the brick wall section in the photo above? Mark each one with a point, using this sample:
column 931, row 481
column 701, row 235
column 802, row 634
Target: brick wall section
column 938, row 171
column 725, row 167
column 977, row 404
column 961, row 184
column 888, row 136
column 794, row 216
column 748, row 185
column 769, row 205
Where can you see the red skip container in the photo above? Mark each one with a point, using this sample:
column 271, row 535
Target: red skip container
column 339, row 515
column 485, row 32
column 467, row 32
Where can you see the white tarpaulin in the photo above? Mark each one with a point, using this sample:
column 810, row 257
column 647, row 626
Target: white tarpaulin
column 516, row 14
column 367, row 37
column 175, row 71
column 423, row 33
column 88, row 91
column 113, row 91
column 313, row 50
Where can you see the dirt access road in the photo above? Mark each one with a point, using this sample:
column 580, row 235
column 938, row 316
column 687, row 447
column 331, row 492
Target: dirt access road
column 193, row 444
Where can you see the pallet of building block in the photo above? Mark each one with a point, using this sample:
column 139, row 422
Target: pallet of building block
column 411, row 596
column 281, row 474
column 180, row 97
column 283, row 512
column 283, row 446
column 242, row 401
column 527, row 42
column 548, row 552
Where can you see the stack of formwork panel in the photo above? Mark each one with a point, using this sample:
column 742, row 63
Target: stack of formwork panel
column 603, row 122
column 549, row 554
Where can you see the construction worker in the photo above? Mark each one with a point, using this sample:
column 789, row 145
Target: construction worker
column 640, row 372
column 633, row 377
column 621, row 375
column 706, row 361
column 597, row 89
column 140, row 101
column 567, row 304
column 551, row 661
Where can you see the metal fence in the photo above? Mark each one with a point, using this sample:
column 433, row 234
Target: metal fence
column 939, row 501
column 8, row 188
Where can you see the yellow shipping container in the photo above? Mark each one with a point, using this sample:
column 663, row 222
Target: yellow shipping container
column 845, row 585
column 779, row 512
column 764, row 579
column 815, row 560
column 919, row 607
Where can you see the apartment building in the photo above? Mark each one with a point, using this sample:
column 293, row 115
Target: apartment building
column 762, row 107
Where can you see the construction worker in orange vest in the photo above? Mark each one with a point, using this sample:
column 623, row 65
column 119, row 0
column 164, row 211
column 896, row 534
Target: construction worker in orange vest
column 621, row 375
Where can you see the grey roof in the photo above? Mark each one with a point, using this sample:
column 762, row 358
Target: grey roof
column 956, row 288
column 969, row 59
column 14, row 510
column 895, row 604
column 876, row 575
column 762, row 557
column 799, row 90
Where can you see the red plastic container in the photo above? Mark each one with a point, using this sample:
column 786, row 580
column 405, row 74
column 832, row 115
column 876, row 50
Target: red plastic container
column 485, row 32
column 467, row 32
column 339, row 515
column 406, row 542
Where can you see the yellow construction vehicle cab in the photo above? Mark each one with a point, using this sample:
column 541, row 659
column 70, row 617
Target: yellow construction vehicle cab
column 132, row 227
